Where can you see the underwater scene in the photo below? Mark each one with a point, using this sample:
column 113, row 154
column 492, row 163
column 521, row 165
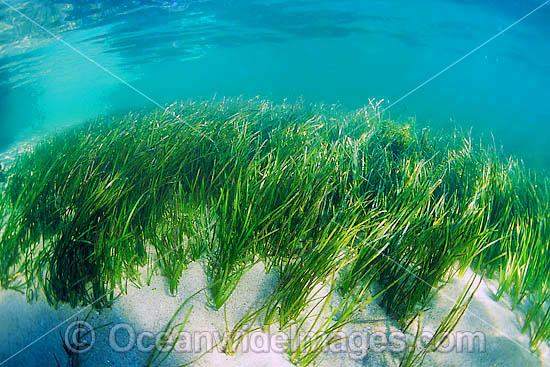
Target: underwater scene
column 274, row 183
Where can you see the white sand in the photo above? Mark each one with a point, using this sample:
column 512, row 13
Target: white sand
column 7, row 157
column 32, row 326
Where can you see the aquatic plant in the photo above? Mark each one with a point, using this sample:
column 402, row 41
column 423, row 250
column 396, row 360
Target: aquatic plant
column 2, row 174
column 314, row 192
column 411, row 357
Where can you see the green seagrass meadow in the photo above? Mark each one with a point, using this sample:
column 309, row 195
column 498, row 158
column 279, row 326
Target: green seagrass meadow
column 318, row 194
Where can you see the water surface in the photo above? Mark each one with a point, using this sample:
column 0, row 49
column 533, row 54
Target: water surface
column 343, row 51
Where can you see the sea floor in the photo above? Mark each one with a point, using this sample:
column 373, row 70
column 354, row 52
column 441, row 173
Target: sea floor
column 34, row 334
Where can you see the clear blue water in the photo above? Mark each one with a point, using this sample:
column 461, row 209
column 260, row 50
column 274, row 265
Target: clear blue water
column 340, row 51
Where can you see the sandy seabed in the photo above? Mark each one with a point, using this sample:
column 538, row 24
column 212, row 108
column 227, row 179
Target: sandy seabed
column 33, row 334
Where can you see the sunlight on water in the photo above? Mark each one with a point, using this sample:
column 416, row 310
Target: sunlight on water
column 325, row 51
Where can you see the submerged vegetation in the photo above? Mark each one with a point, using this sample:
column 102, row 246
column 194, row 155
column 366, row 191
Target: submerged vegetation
column 321, row 196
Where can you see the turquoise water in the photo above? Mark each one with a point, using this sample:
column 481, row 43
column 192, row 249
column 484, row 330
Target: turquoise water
column 323, row 51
